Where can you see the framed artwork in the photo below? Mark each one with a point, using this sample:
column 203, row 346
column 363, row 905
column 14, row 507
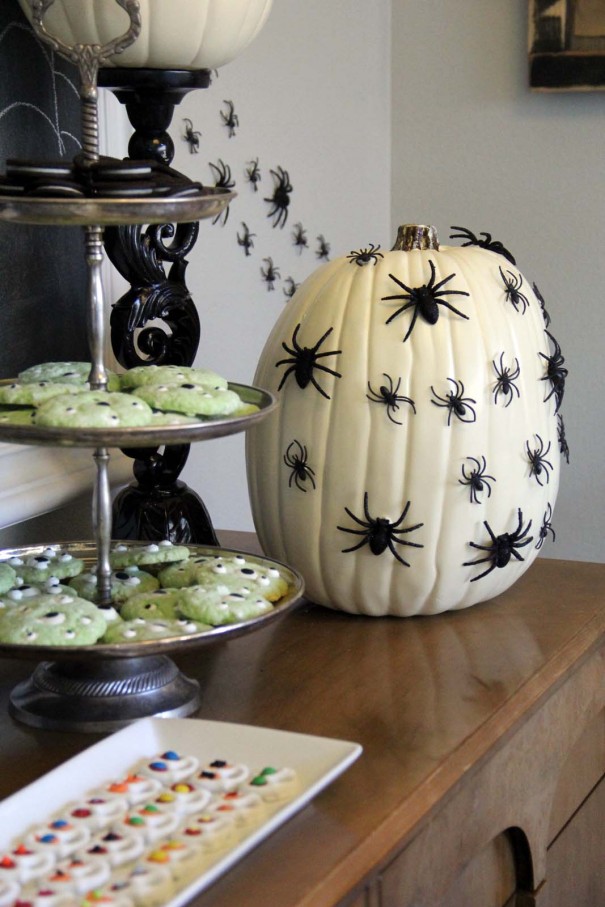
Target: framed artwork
column 567, row 45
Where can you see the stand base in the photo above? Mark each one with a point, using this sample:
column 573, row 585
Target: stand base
column 105, row 696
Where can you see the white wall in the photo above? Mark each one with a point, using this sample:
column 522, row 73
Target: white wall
column 472, row 145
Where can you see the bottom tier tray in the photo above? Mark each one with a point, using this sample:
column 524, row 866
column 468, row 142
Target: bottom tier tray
column 106, row 686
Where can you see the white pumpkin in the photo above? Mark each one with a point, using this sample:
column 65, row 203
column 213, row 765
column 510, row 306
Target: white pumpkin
column 175, row 34
column 412, row 465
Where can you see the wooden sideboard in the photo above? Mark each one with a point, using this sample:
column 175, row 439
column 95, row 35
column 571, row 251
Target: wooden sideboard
column 482, row 781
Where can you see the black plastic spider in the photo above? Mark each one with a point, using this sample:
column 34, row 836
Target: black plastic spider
column 290, row 287
column 304, row 361
column 380, row 533
column 424, row 299
column 492, row 245
column 269, row 273
column 512, row 287
column 556, row 373
column 389, row 397
column 540, row 299
column 280, row 199
column 245, row 240
column 501, row 548
column 505, row 383
column 546, row 527
column 253, row 174
column 457, row 404
column 477, row 479
column 365, row 256
column 539, row 464
column 230, row 118
column 299, row 237
column 192, row 137
column 323, row 248
column 296, row 458
column 223, row 180
column 563, row 445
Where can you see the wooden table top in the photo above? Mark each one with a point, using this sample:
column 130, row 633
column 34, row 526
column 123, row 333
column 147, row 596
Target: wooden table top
column 427, row 697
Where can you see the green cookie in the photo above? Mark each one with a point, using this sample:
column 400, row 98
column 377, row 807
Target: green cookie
column 17, row 416
column 52, row 620
column 94, row 409
column 142, row 375
column 124, row 583
column 190, row 398
column 219, row 608
column 16, row 394
column 65, row 373
column 176, row 576
column 237, row 571
column 164, row 552
column 7, row 577
column 140, row 629
column 161, row 603
column 37, row 569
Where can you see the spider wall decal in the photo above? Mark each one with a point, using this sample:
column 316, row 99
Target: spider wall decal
column 540, row 299
column 456, row 403
column 365, row 256
column 505, row 383
column 477, row 479
column 222, row 180
column 424, row 300
column 380, row 533
column 192, row 137
column 539, row 465
column 546, row 527
column 563, row 445
column 556, row 373
column 501, row 548
column 280, row 199
column 299, row 237
column 269, row 273
column 492, row 245
column 296, row 458
column 388, row 394
column 230, row 118
column 253, row 174
column 512, row 290
column 290, row 287
column 304, row 362
column 245, row 239
column 323, row 248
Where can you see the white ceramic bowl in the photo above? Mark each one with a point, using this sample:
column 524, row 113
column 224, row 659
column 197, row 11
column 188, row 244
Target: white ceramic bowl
column 175, row 34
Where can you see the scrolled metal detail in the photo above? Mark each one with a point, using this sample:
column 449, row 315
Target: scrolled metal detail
column 47, row 679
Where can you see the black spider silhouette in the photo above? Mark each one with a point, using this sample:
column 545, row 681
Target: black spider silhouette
column 230, row 118
column 223, row 180
column 505, row 383
column 304, row 361
column 540, row 299
column 380, row 533
column 280, row 199
column 253, row 174
column 192, row 137
column 546, row 527
column 299, row 237
column 296, row 458
column 477, row 479
column 456, row 403
column 365, row 256
column 512, row 288
column 501, row 548
column 556, row 373
column 323, row 248
column 269, row 273
column 245, row 240
column 290, row 287
column 563, row 445
column 389, row 396
column 492, row 245
column 424, row 300
column 539, row 464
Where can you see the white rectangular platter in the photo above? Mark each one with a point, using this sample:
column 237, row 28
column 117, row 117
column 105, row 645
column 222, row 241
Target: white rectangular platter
column 317, row 761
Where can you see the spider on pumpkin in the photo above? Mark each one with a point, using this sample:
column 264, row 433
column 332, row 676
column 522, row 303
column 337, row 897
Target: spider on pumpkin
column 546, row 527
column 365, row 256
column 457, row 404
column 304, row 361
column 477, row 479
column 512, row 290
column 425, row 299
column 556, row 373
column 380, row 533
column 539, row 464
column 492, row 245
column 280, row 199
column 388, row 394
column 501, row 547
column 505, row 383
column 296, row 458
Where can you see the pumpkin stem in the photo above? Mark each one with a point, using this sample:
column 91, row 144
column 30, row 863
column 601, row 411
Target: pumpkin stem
column 416, row 236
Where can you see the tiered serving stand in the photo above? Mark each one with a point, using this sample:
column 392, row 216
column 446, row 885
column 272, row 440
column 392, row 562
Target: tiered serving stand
column 104, row 687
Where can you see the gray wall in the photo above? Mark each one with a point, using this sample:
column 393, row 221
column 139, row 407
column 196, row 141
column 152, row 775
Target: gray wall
column 472, row 145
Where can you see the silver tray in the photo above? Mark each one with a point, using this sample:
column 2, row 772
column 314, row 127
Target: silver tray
column 143, row 435
column 114, row 211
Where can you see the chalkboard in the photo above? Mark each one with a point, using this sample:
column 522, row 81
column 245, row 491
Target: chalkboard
column 42, row 269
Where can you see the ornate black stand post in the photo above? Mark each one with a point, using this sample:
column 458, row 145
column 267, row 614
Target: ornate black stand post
column 158, row 505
